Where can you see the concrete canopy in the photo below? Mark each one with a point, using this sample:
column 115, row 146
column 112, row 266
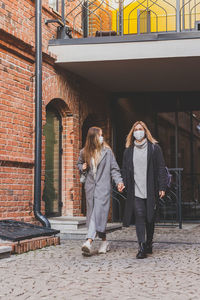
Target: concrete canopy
column 126, row 65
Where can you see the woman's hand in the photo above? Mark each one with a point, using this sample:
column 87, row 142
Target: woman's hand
column 84, row 166
column 120, row 187
column 161, row 194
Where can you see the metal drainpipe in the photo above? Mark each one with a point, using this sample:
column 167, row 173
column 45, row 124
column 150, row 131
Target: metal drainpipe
column 63, row 12
column 38, row 115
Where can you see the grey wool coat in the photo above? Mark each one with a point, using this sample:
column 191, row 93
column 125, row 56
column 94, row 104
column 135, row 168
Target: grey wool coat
column 97, row 190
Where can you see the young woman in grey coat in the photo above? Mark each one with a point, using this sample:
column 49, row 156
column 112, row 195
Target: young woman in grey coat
column 98, row 165
column 145, row 179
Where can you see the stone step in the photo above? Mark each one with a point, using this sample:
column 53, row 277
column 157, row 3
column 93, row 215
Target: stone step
column 5, row 251
column 80, row 234
column 64, row 223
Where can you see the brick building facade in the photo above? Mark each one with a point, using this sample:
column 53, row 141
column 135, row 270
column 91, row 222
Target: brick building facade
column 71, row 104
column 73, row 98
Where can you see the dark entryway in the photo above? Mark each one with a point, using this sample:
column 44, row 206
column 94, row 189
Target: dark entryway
column 53, row 163
column 173, row 119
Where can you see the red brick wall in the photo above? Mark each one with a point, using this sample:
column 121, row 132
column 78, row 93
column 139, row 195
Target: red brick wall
column 18, row 19
column 16, row 134
column 77, row 99
column 101, row 19
column 16, row 109
column 16, row 182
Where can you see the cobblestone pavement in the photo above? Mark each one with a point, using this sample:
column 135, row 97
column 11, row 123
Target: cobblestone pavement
column 61, row 272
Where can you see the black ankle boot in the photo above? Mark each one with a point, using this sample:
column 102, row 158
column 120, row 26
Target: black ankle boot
column 142, row 251
column 149, row 247
column 150, row 232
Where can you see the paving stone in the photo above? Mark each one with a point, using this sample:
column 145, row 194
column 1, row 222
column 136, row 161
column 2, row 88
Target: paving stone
column 62, row 272
column 5, row 251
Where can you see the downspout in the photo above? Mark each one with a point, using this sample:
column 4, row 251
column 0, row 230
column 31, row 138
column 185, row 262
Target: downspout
column 38, row 115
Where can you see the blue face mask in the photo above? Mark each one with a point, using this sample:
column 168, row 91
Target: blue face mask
column 101, row 139
column 139, row 134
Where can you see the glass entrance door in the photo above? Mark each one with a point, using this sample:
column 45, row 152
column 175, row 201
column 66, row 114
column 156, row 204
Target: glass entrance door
column 53, row 151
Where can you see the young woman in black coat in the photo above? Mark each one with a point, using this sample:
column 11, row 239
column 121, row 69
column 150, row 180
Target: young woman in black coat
column 145, row 179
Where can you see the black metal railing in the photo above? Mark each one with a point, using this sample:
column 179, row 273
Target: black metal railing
column 169, row 210
column 106, row 17
column 191, row 196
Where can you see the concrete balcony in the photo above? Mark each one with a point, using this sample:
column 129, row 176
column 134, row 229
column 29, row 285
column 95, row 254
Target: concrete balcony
column 134, row 63
column 131, row 46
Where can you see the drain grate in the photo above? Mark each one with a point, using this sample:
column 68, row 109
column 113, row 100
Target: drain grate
column 17, row 231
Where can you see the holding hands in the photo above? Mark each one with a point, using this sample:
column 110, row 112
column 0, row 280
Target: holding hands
column 84, row 166
column 161, row 194
column 120, row 187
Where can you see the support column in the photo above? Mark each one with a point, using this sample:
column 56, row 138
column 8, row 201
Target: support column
column 121, row 17
column 178, row 19
column 192, row 155
column 178, row 173
column 183, row 15
column 85, row 18
column 176, row 139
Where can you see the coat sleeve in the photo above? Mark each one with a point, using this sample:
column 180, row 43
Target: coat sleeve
column 80, row 162
column 124, row 164
column 114, row 170
column 161, row 171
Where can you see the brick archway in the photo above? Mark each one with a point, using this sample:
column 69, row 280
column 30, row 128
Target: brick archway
column 60, row 87
column 60, row 92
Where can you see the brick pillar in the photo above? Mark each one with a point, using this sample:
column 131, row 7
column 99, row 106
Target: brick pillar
column 71, row 183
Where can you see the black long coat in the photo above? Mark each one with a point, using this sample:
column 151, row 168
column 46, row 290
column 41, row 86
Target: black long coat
column 156, row 180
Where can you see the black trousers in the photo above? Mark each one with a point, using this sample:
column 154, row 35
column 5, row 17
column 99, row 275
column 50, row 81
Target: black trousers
column 144, row 229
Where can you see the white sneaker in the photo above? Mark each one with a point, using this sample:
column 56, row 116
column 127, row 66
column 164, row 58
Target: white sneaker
column 86, row 247
column 104, row 247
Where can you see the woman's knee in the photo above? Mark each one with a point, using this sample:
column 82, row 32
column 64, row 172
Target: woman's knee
column 140, row 213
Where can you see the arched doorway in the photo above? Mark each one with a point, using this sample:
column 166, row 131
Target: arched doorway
column 53, row 161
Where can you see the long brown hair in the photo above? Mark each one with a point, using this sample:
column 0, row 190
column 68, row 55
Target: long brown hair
column 92, row 144
column 130, row 138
